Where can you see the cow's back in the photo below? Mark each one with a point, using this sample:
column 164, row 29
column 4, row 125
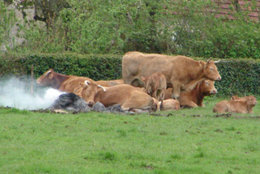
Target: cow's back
column 72, row 84
column 109, row 83
column 137, row 64
column 125, row 95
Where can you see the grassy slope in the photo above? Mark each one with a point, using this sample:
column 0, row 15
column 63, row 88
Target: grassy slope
column 106, row 143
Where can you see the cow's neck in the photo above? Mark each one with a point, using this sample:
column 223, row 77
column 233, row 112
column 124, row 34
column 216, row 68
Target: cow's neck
column 59, row 78
column 99, row 94
column 197, row 70
column 196, row 94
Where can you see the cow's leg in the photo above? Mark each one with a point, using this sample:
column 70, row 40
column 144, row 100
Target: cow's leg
column 190, row 104
column 155, row 94
column 176, row 89
column 162, row 94
column 125, row 108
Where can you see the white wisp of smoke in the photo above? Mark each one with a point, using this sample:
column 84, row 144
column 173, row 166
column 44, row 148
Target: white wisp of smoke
column 15, row 93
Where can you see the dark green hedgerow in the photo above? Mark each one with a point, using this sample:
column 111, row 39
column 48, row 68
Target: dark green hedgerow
column 94, row 66
column 238, row 76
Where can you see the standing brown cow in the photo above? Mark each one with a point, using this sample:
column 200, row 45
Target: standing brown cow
column 180, row 71
column 155, row 85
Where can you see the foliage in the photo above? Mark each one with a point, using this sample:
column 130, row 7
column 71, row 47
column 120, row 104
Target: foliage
column 7, row 19
column 94, row 66
column 188, row 141
column 174, row 27
column 238, row 76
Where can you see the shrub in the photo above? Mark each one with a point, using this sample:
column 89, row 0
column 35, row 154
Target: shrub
column 175, row 27
column 238, row 76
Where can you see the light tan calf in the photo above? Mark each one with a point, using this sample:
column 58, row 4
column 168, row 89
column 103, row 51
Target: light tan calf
column 236, row 105
column 155, row 85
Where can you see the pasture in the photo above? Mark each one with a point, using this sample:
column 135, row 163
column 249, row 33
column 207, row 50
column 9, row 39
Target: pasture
column 184, row 141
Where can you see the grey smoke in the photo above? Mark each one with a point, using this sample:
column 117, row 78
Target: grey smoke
column 16, row 92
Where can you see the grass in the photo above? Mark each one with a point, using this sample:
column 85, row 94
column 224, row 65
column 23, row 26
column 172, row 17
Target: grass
column 189, row 141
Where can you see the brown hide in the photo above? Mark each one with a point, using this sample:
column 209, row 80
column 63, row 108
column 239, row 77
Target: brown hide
column 155, row 85
column 88, row 90
column 170, row 104
column 127, row 96
column 195, row 97
column 236, row 105
column 180, row 71
column 66, row 83
column 109, row 83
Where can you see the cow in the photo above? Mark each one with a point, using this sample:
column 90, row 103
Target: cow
column 129, row 97
column 180, row 71
column 194, row 98
column 108, row 83
column 236, row 105
column 155, row 85
column 66, row 83
column 250, row 98
column 170, row 104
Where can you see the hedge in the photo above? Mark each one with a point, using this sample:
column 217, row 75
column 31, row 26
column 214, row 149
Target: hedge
column 240, row 77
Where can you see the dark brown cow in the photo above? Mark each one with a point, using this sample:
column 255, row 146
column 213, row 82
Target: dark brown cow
column 155, row 85
column 195, row 97
column 236, row 105
column 180, row 71
column 127, row 96
column 66, row 83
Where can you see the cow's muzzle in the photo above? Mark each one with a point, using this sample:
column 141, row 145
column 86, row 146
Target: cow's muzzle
column 214, row 91
column 219, row 78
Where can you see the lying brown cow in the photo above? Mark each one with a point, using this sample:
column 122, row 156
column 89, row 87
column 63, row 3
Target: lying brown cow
column 127, row 96
column 195, row 97
column 155, row 85
column 236, row 104
column 66, row 83
column 170, row 104
column 180, row 71
column 108, row 83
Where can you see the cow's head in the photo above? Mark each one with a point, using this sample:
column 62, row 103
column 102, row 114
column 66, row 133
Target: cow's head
column 48, row 79
column 89, row 90
column 211, row 71
column 207, row 87
column 251, row 100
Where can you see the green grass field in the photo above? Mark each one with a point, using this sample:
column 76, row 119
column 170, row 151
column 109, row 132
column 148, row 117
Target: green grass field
column 188, row 141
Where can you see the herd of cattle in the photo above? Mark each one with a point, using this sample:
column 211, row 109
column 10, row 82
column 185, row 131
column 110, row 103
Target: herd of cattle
column 152, row 82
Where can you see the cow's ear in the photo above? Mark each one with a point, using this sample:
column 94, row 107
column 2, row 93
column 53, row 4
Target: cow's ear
column 234, row 97
column 202, row 63
column 87, row 82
